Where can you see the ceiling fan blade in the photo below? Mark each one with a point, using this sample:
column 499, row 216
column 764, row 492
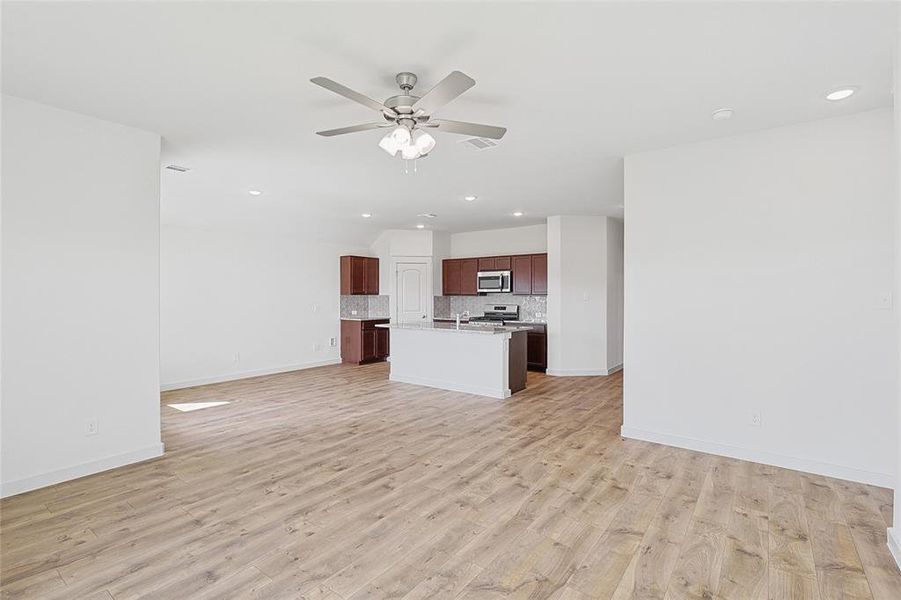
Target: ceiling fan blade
column 444, row 91
column 342, row 90
column 486, row 131
column 353, row 129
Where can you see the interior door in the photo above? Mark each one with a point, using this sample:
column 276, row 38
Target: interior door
column 412, row 292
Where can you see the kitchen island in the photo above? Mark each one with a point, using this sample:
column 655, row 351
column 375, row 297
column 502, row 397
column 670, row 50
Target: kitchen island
column 476, row 359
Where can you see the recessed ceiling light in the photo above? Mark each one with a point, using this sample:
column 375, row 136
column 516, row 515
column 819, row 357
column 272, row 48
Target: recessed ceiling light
column 366, row 215
column 427, row 215
column 722, row 114
column 518, row 213
column 469, row 198
column 420, row 226
column 254, row 192
column 841, row 93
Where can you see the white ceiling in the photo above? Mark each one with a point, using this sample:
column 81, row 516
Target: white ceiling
column 577, row 85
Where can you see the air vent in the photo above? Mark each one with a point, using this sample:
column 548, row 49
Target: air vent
column 479, row 143
column 178, row 168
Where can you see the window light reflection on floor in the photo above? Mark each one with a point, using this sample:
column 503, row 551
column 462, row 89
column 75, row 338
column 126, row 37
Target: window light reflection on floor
column 189, row 406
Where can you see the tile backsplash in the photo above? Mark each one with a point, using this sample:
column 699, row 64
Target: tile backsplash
column 365, row 307
column 530, row 307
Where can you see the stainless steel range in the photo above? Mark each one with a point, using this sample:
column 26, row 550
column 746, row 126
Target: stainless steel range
column 498, row 314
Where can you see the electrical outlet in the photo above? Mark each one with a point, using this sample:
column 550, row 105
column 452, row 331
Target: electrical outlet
column 91, row 426
column 353, row 312
column 756, row 419
column 333, row 342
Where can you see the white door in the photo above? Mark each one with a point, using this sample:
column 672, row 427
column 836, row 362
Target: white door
column 412, row 292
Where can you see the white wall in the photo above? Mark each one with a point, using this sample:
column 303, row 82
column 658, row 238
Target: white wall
column 755, row 271
column 577, row 295
column 894, row 533
column 512, row 240
column 235, row 305
column 614, row 294
column 80, row 298
column 441, row 249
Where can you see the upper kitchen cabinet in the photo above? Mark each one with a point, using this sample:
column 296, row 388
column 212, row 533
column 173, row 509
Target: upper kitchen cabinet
column 530, row 274
column 522, row 274
column 359, row 276
column 539, row 274
column 494, row 263
column 451, row 280
column 469, row 276
column 487, row 264
column 460, row 276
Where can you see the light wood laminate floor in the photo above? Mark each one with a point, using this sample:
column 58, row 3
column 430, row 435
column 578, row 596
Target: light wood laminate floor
column 334, row 483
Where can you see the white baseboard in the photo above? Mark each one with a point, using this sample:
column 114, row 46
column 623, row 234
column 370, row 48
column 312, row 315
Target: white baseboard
column 615, row 369
column 178, row 385
column 766, row 458
column 11, row 488
column 453, row 386
column 894, row 544
column 576, row 372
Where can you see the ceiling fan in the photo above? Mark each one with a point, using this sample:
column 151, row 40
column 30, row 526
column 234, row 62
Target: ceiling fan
column 409, row 116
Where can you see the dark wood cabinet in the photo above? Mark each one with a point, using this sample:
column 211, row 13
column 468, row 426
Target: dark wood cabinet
column 522, row 274
column 381, row 343
column 371, row 283
column 359, row 275
column 537, row 348
column 539, row 274
column 452, row 281
column 469, row 276
column 459, row 276
column 487, row 264
column 530, row 274
column 494, row 263
column 363, row 342
column 502, row 263
column 367, row 352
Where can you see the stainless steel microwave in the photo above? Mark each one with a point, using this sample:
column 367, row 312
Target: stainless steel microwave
column 494, row 281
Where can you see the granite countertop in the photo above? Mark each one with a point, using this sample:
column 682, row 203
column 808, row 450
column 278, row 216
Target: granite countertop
column 365, row 318
column 452, row 328
column 520, row 322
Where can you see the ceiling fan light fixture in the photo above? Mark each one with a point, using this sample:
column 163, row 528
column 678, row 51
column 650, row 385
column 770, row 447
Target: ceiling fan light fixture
column 410, row 152
column 407, row 112
column 401, row 135
column 423, row 141
column 389, row 145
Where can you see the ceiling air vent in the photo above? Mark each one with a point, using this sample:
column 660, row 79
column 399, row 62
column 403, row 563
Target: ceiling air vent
column 479, row 143
column 178, row 168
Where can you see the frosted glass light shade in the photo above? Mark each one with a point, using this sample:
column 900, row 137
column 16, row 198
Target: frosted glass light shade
column 424, row 142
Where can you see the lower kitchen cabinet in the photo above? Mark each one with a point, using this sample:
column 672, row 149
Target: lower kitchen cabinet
column 363, row 342
column 536, row 348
